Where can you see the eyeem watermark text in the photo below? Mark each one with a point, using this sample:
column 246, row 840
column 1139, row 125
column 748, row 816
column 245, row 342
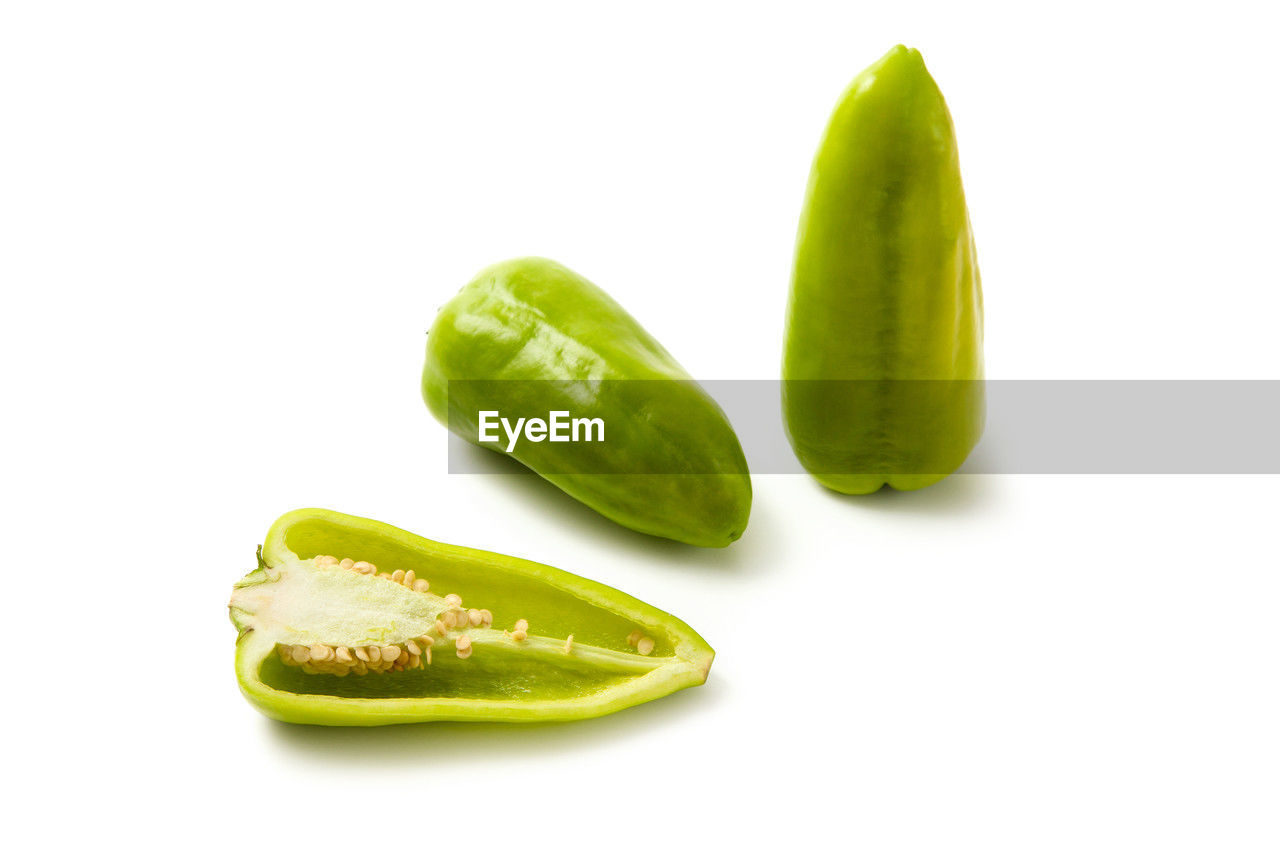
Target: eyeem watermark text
column 558, row 426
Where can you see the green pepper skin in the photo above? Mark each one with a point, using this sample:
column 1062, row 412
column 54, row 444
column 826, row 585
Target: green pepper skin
column 882, row 363
column 670, row 465
column 553, row 601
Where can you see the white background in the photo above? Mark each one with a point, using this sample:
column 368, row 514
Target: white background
column 226, row 228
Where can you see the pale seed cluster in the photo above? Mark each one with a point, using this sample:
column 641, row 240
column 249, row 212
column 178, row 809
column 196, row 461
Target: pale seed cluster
column 409, row 578
column 358, row 660
column 413, row 654
column 644, row 645
column 459, row 618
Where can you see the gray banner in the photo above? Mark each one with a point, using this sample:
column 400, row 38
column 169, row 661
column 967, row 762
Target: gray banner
column 1032, row 426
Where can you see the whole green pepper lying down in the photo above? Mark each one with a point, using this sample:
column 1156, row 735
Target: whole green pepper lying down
column 351, row 622
column 529, row 336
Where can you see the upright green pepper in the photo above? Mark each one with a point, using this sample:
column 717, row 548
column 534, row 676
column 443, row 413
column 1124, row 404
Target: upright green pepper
column 527, row 338
column 439, row 632
column 882, row 367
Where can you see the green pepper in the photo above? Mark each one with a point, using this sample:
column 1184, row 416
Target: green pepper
column 400, row 629
column 882, row 367
column 529, row 337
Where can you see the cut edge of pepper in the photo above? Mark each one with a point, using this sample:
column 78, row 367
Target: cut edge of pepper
column 687, row 667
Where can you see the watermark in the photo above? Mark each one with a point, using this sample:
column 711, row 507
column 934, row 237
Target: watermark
column 559, row 426
column 1027, row 427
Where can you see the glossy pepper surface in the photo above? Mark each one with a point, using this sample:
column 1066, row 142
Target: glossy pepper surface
column 353, row 622
column 882, row 365
column 528, row 337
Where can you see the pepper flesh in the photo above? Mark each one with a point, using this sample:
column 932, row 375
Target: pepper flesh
column 531, row 672
column 542, row 338
column 882, row 366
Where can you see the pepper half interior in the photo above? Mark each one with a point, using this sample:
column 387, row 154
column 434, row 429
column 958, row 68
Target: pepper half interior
column 347, row 627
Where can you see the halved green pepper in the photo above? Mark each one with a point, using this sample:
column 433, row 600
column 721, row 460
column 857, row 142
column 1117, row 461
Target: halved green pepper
column 882, row 367
column 528, row 337
column 352, row 622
